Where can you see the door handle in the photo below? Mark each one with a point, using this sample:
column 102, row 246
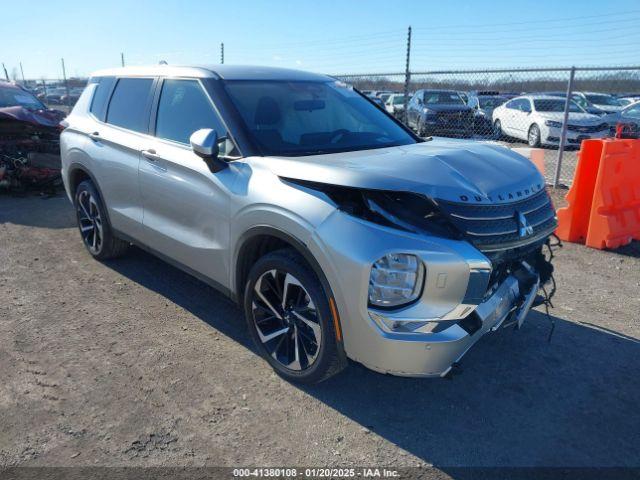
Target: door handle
column 95, row 136
column 150, row 155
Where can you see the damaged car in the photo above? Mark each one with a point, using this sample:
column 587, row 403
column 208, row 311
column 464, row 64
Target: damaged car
column 340, row 233
column 29, row 140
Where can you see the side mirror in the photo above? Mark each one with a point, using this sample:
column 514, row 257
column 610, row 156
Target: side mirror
column 204, row 143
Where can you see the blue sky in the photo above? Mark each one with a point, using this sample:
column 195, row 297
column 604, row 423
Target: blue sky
column 345, row 36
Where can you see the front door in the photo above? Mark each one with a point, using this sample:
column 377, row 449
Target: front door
column 186, row 206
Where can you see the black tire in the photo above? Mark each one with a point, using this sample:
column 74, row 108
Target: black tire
column 497, row 130
column 93, row 224
column 421, row 129
column 328, row 358
column 533, row 136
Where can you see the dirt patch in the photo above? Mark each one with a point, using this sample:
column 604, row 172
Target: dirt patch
column 132, row 362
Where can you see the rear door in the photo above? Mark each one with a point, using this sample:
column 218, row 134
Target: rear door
column 116, row 140
column 186, row 206
column 521, row 118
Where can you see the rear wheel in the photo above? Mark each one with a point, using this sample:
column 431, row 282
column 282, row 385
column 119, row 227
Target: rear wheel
column 533, row 137
column 290, row 319
column 93, row 223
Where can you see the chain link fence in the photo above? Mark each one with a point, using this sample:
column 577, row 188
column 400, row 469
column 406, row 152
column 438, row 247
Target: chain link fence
column 517, row 108
column 513, row 107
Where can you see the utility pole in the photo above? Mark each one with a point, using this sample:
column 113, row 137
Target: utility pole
column 222, row 52
column 6, row 74
column 66, row 84
column 407, row 77
column 122, row 59
column 24, row 82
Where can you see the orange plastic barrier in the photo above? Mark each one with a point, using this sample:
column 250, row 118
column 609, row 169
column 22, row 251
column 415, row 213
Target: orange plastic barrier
column 604, row 199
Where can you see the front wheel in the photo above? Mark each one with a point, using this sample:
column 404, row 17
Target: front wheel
column 533, row 137
column 290, row 318
column 421, row 128
column 497, row 130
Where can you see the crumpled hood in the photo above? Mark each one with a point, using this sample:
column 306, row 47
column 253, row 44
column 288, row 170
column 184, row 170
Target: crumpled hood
column 453, row 170
column 45, row 118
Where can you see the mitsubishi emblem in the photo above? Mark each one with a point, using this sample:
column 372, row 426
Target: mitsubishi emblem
column 524, row 229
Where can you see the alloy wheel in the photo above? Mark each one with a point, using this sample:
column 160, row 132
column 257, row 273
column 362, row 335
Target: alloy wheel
column 89, row 221
column 286, row 320
column 534, row 136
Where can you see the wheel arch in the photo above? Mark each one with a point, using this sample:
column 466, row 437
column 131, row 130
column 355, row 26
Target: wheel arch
column 262, row 239
column 250, row 247
column 77, row 173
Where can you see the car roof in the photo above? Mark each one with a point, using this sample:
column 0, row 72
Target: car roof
column 439, row 90
column 226, row 72
column 537, row 97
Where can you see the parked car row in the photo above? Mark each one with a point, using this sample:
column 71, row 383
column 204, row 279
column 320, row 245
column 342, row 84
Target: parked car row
column 535, row 118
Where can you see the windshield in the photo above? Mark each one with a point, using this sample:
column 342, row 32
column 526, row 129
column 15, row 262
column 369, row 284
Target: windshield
column 398, row 100
column 553, row 105
column 491, row 102
column 309, row 118
column 602, row 99
column 15, row 97
column 432, row 98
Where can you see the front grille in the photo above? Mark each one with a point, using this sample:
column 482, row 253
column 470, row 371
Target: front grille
column 587, row 128
column 497, row 227
column 454, row 116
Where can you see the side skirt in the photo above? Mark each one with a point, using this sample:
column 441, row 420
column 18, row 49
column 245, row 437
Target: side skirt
column 180, row 266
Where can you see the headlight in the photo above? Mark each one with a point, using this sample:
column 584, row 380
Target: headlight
column 429, row 113
column 551, row 123
column 396, row 279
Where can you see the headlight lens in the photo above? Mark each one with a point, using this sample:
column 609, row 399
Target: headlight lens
column 396, row 279
column 551, row 123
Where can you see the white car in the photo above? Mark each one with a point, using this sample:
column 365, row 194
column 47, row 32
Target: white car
column 537, row 119
column 604, row 101
column 395, row 104
column 626, row 101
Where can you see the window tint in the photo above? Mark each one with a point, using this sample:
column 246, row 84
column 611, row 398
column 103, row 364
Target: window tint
column 312, row 118
column 633, row 112
column 435, row 98
column 101, row 96
column 521, row 104
column 183, row 109
column 128, row 106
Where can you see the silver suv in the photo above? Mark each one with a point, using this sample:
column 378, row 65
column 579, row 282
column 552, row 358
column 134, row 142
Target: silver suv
column 339, row 232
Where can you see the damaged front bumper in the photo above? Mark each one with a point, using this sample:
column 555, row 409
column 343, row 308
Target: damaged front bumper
column 464, row 296
column 434, row 353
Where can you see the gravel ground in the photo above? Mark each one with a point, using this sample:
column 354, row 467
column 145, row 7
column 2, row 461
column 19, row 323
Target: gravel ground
column 132, row 362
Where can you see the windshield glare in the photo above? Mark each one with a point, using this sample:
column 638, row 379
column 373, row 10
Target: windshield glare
column 309, row 118
column 442, row 98
column 14, row 97
column 552, row 105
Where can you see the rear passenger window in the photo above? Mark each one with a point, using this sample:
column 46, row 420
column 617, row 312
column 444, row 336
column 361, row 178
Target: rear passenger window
column 101, row 97
column 184, row 108
column 128, row 106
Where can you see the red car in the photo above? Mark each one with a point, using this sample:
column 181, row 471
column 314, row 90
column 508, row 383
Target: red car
column 29, row 139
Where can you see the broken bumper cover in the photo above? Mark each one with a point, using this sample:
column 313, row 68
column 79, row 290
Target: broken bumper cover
column 433, row 354
column 453, row 311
